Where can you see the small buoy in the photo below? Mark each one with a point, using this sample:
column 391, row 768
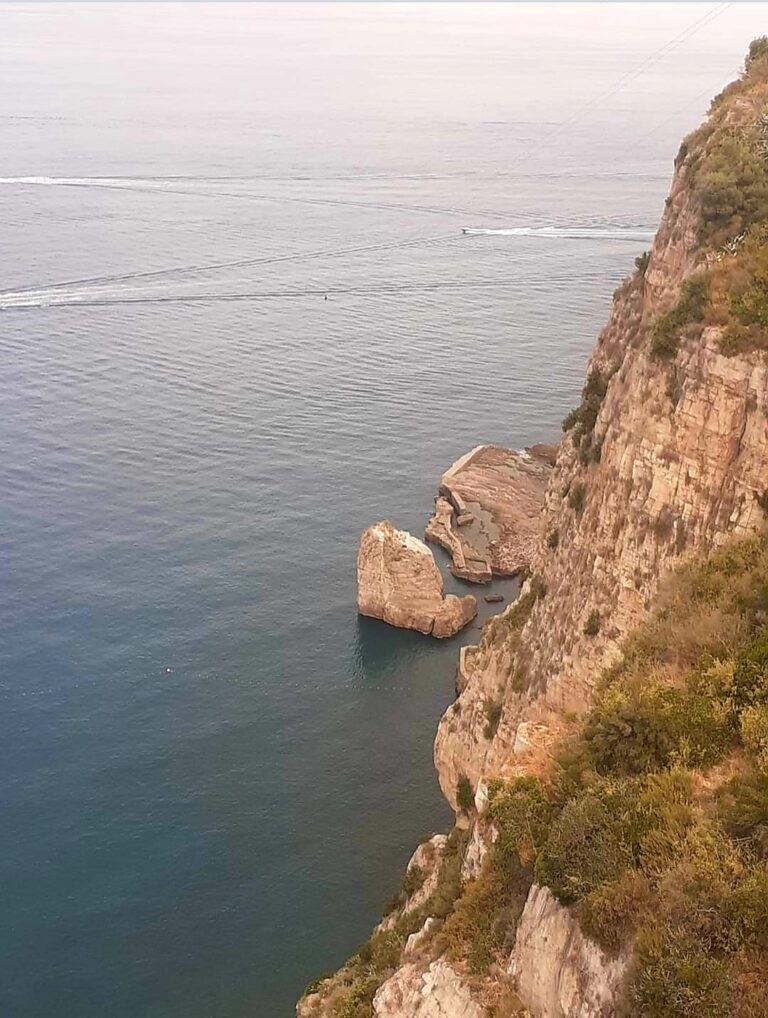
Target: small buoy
column 168, row 670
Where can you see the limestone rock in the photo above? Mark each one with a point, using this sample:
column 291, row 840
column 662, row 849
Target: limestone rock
column 495, row 496
column 559, row 972
column 437, row 992
column 427, row 858
column 398, row 581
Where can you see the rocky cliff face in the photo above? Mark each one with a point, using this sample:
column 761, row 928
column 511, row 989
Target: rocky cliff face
column 683, row 456
column 666, row 457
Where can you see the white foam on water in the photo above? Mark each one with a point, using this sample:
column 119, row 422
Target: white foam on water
column 119, row 182
column 563, row 232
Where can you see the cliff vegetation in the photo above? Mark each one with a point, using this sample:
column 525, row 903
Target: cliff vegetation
column 651, row 823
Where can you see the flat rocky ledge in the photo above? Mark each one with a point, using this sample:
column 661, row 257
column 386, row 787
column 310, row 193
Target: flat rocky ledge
column 398, row 582
column 487, row 513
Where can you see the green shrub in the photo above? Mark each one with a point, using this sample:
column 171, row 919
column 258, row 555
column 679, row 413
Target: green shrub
column 612, row 911
column 581, row 421
column 465, row 797
column 690, row 308
column 414, row 879
column 641, row 262
column 747, row 909
column 592, row 625
column 577, row 495
column 754, row 733
column 677, row 977
column 647, row 725
column 758, row 49
column 732, row 184
column 521, row 811
column 492, row 710
column 742, row 805
column 585, row 847
column 447, row 886
column 750, row 677
column 518, row 614
column 357, row 1003
column 553, row 538
column 382, row 952
column 485, row 918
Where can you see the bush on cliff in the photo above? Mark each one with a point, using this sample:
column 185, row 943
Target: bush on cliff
column 577, row 496
column 732, row 185
column 465, row 797
column 688, row 313
column 581, row 421
column 634, row 829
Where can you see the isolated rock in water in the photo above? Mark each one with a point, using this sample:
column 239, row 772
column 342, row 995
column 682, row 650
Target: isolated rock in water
column 496, row 497
column 398, row 581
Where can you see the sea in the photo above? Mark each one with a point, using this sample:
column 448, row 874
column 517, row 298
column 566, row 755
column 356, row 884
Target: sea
column 240, row 321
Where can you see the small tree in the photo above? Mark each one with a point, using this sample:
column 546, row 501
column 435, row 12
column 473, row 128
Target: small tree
column 464, row 795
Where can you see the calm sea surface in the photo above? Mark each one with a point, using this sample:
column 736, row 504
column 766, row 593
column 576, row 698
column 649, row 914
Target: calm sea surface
column 193, row 438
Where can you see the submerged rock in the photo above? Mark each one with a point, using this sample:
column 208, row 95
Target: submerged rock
column 496, row 497
column 398, row 582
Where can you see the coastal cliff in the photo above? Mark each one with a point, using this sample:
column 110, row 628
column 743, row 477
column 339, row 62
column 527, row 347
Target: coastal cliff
column 665, row 457
column 540, row 901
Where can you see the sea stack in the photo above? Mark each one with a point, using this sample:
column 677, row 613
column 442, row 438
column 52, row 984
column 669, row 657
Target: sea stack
column 398, row 582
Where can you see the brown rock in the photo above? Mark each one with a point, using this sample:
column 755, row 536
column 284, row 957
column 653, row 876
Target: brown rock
column 546, row 453
column 398, row 581
column 468, row 561
column 496, row 496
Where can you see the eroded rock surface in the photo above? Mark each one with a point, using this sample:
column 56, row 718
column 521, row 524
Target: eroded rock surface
column 398, row 581
column 437, row 992
column 559, row 972
column 488, row 510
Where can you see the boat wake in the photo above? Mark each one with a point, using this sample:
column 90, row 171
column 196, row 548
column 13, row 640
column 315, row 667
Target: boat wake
column 564, row 232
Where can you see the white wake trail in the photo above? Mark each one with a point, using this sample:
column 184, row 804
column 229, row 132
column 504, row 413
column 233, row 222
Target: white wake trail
column 563, row 232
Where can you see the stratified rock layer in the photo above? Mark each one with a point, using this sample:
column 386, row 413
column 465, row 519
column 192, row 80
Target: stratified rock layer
column 487, row 514
column 398, row 582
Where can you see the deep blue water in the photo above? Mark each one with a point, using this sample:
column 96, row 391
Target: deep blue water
column 192, row 439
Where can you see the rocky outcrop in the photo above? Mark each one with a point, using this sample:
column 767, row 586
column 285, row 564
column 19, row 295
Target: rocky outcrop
column 398, row 581
column 425, row 865
column 558, row 972
column 487, row 513
column 437, row 992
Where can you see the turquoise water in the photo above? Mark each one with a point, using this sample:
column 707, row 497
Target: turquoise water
column 211, row 771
